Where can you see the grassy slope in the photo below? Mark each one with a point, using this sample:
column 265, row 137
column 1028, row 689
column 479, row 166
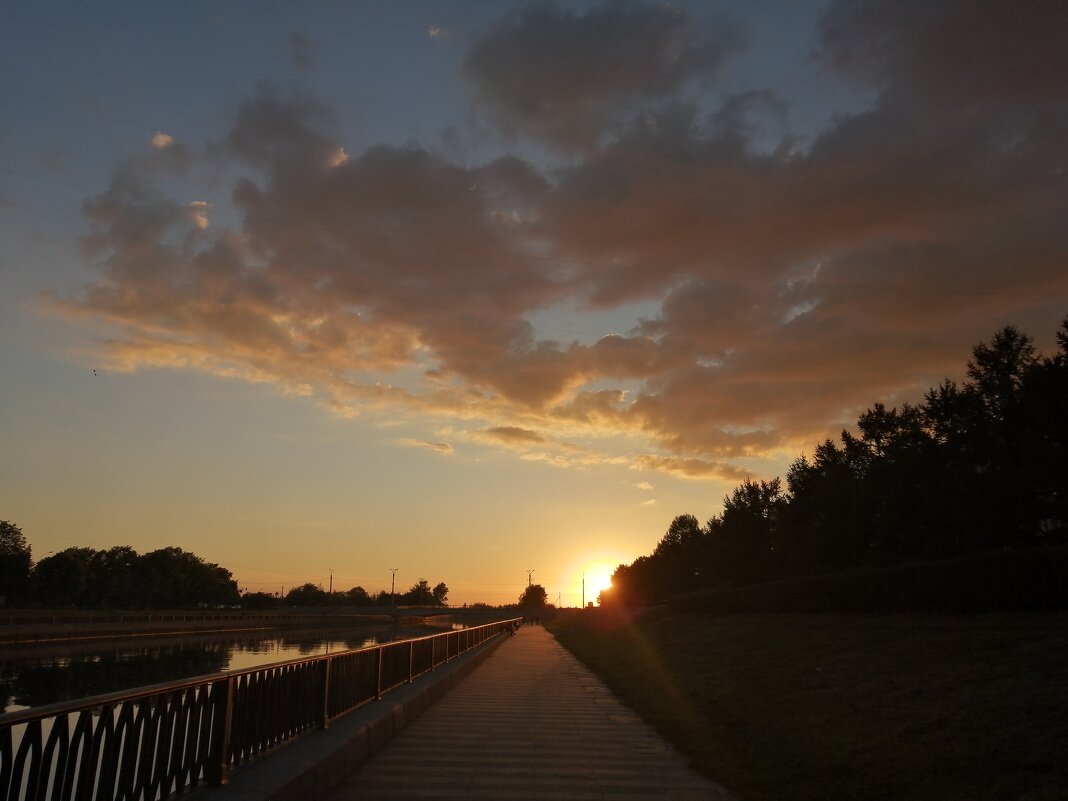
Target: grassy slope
column 851, row 707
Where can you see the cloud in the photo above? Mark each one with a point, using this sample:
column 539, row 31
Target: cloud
column 513, row 435
column 689, row 468
column 931, row 52
column 161, row 140
column 551, row 459
column 644, row 486
column 784, row 290
column 199, row 213
column 435, row 32
column 273, row 128
column 337, row 157
column 437, row 447
column 649, row 502
column 566, row 77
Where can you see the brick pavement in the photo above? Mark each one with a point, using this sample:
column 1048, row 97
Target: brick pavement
column 530, row 723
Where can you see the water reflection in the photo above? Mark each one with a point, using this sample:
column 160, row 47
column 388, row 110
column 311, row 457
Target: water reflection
column 48, row 674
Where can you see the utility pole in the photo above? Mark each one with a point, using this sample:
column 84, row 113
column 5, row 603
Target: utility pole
column 529, row 574
column 393, row 586
column 583, row 590
column 331, row 582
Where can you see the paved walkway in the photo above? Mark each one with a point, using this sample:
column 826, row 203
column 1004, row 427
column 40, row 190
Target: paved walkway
column 530, row 723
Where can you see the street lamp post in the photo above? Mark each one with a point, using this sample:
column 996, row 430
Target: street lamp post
column 393, row 587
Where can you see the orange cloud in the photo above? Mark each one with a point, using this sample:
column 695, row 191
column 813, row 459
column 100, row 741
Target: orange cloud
column 437, row 447
column 514, row 435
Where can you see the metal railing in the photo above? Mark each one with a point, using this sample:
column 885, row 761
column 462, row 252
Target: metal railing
column 154, row 742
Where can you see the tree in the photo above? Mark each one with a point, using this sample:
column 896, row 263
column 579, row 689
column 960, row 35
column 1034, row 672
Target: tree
column 15, row 561
column 113, row 578
column 173, row 578
column 259, row 601
column 636, row 584
column 746, row 533
column 358, row 596
column 534, row 597
column 307, row 595
column 998, row 370
column 441, row 594
column 683, row 531
column 63, row 578
column 419, row 595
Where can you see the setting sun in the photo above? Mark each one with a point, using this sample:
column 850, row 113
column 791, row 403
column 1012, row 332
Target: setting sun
column 598, row 577
column 583, row 579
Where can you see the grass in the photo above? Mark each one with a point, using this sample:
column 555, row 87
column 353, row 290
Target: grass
column 837, row 707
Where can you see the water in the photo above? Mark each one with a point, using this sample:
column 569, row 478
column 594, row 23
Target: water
column 36, row 676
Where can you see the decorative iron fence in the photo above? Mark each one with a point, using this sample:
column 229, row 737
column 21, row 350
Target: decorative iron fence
column 154, row 742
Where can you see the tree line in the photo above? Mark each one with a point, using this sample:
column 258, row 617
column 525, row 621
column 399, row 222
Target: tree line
column 975, row 466
column 116, row 578
column 420, row 594
column 168, row 578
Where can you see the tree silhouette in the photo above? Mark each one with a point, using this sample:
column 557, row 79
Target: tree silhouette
column 533, row 597
column 307, row 595
column 683, row 532
column 358, row 596
column 441, row 594
column 63, row 578
column 15, row 562
column 118, row 577
column 259, row 601
column 419, row 595
column 975, row 466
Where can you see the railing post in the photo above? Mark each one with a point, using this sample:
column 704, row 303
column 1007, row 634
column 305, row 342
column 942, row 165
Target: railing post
column 217, row 769
column 326, row 692
column 411, row 659
column 378, row 683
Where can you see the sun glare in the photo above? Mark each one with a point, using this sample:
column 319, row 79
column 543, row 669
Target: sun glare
column 598, row 577
column 583, row 578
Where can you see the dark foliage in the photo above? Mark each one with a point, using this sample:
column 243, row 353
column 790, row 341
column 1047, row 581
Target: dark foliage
column 421, row 594
column 307, row 595
column 120, row 578
column 534, row 597
column 260, row 601
column 15, row 563
column 974, row 467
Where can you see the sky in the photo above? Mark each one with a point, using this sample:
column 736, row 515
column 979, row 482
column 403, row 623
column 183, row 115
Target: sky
column 474, row 289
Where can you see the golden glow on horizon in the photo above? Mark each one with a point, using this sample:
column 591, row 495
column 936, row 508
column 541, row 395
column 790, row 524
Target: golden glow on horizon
column 596, row 567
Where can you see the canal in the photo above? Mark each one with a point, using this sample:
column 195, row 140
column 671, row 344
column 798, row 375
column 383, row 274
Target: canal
column 35, row 675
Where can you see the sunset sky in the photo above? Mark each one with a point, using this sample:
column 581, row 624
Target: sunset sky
column 469, row 289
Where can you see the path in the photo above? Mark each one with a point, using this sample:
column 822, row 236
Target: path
column 530, row 723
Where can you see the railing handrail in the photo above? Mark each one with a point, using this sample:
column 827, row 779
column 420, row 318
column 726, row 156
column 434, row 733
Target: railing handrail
column 88, row 702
